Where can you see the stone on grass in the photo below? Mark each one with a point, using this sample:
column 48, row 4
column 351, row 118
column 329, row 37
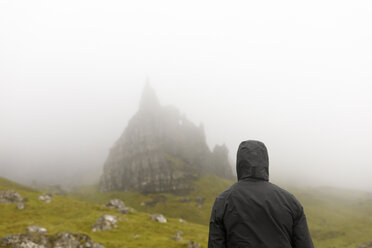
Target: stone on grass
column 178, row 236
column 119, row 205
column 105, row 222
column 116, row 204
column 10, row 196
column 20, row 205
column 193, row 244
column 47, row 198
column 36, row 229
column 158, row 217
column 43, row 240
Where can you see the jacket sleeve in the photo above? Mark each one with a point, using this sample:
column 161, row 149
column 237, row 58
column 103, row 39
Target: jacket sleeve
column 301, row 235
column 217, row 232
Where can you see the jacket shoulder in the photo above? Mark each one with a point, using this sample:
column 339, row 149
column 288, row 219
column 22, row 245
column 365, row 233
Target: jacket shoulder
column 295, row 204
column 225, row 194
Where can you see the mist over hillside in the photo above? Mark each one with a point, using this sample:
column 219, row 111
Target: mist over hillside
column 293, row 75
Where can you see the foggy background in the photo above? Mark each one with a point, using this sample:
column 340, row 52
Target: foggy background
column 294, row 75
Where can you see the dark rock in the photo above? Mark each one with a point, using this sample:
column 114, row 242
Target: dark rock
column 161, row 151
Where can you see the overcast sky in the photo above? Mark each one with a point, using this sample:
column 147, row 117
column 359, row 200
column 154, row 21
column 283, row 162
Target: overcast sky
column 296, row 75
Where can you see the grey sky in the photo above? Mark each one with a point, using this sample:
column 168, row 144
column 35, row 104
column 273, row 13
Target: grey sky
column 296, row 75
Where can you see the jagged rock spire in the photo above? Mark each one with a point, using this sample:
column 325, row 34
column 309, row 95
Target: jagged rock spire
column 149, row 100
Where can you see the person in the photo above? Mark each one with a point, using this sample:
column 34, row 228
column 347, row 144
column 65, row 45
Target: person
column 254, row 212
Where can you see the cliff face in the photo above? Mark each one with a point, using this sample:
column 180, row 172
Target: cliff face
column 160, row 151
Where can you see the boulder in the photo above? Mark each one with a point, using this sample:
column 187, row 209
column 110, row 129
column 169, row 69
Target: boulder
column 193, row 244
column 37, row 238
column 73, row 240
column 115, row 204
column 47, row 198
column 158, row 217
column 119, row 205
column 105, row 222
column 10, row 196
column 178, row 236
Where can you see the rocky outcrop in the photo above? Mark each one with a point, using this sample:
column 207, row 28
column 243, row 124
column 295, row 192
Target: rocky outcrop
column 10, row 196
column 37, row 237
column 160, row 151
column 119, row 205
column 105, row 222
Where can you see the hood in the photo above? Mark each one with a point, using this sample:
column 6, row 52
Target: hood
column 252, row 160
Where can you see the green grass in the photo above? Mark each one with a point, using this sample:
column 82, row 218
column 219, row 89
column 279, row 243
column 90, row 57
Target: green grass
column 337, row 218
column 67, row 214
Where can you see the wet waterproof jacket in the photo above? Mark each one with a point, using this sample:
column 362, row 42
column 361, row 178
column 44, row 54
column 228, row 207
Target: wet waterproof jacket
column 254, row 213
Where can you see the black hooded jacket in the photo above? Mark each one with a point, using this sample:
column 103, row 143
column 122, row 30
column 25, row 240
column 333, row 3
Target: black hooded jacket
column 254, row 213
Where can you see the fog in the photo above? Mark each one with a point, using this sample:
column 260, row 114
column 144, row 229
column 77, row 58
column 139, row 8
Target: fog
column 295, row 75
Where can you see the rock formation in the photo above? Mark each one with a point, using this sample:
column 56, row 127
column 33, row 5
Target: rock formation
column 161, row 151
column 37, row 237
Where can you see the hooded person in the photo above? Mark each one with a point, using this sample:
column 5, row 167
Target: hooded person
column 254, row 212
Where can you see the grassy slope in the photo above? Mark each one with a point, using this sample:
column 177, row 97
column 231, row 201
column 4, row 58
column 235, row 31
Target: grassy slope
column 337, row 218
column 67, row 214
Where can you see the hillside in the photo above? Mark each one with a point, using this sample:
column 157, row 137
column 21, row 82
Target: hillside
column 67, row 214
column 336, row 217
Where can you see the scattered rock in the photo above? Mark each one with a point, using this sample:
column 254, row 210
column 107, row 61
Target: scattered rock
column 158, row 217
column 178, row 236
column 200, row 200
column 365, row 245
column 105, row 222
column 20, row 205
column 73, row 240
column 119, row 205
column 158, row 199
column 181, row 220
column 183, row 200
column 42, row 240
column 47, row 198
column 36, row 229
column 115, row 204
column 136, row 236
column 193, row 244
column 10, row 196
